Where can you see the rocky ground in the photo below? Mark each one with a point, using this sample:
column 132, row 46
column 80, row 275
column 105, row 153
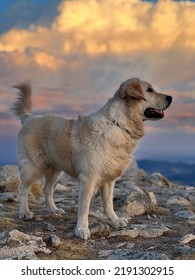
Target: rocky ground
column 161, row 221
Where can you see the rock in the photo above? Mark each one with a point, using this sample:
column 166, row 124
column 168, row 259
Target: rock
column 186, row 250
column 153, row 202
column 10, row 181
column 53, row 241
column 137, row 202
column 187, row 238
column 146, row 231
column 178, row 200
column 119, row 254
column 61, row 188
column 191, row 220
column 26, row 256
column 48, row 226
column 186, row 214
column 191, row 197
column 131, row 233
column 9, row 178
column 96, row 227
column 130, row 245
column 3, row 208
column 97, row 214
column 105, row 253
column 125, row 254
column 18, row 245
column 9, row 197
column 4, row 237
column 159, row 180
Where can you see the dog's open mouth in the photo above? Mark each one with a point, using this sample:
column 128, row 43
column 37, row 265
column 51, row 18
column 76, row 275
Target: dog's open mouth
column 152, row 113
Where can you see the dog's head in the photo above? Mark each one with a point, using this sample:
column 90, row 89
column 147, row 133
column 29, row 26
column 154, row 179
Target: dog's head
column 151, row 104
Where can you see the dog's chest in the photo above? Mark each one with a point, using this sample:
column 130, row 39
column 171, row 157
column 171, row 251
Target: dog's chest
column 111, row 159
column 115, row 163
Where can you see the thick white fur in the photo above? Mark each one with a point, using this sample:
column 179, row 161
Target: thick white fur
column 95, row 149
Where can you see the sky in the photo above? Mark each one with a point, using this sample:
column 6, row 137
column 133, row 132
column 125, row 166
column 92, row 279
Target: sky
column 76, row 53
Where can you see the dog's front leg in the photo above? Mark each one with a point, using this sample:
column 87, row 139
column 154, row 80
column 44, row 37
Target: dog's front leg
column 107, row 201
column 86, row 190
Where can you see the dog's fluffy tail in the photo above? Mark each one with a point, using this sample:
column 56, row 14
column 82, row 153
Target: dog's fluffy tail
column 23, row 105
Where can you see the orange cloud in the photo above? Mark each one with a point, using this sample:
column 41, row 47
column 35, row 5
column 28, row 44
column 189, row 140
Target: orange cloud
column 21, row 39
column 125, row 26
column 112, row 26
column 45, row 60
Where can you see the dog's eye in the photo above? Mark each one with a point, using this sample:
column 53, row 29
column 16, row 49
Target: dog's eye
column 149, row 89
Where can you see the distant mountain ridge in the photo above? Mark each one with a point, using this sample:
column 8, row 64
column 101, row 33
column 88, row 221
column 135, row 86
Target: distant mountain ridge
column 177, row 172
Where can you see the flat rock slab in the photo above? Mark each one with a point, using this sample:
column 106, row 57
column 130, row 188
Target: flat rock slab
column 125, row 254
column 178, row 200
column 147, row 231
column 18, row 245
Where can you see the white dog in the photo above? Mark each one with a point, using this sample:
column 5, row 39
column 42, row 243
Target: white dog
column 95, row 149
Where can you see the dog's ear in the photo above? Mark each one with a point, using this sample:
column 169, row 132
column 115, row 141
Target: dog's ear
column 132, row 89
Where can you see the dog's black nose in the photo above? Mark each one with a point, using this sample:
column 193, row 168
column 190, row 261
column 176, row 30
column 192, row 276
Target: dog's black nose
column 169, row 99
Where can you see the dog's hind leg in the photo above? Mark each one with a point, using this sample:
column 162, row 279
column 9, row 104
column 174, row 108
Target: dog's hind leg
column 50, row 181
column 24, row 212
column 106, row 192
column 28, row 176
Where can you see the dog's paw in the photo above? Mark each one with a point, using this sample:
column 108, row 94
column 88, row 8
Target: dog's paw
column 58, row 212
column 82, row 233
column 119, row 223
column 26, row 216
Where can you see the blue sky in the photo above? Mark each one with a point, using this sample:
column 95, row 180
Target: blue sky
column 76, row 53
column 22, row 13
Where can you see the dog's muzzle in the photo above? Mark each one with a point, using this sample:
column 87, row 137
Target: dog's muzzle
column 157, row 114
